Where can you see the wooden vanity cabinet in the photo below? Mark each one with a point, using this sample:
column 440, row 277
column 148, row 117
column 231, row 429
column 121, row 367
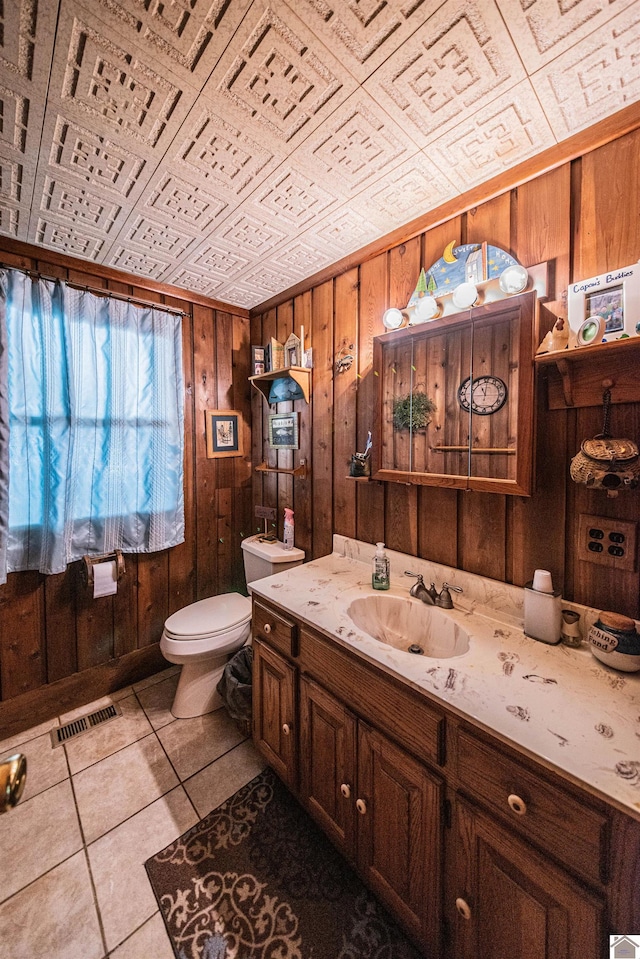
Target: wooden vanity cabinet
column 476, row 848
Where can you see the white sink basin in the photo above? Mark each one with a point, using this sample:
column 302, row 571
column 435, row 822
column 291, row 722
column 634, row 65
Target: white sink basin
column 409, row 625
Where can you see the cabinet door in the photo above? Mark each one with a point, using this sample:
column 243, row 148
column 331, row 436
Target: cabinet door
column 274, row 726
column 399, row 808
column 506, row 900
column 328, row 763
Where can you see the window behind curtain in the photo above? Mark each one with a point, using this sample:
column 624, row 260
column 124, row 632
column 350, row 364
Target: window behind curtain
column 91, row 398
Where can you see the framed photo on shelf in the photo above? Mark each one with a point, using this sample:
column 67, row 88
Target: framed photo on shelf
column 258, row 365
column 614, row 297
column 222, row 430
column 283, row 431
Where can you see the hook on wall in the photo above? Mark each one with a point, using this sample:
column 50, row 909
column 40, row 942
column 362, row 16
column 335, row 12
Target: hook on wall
column 345, row 358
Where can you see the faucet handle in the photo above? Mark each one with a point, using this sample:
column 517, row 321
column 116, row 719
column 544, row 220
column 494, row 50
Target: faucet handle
column 418, row 576
column 456, row 589
column 444, row 599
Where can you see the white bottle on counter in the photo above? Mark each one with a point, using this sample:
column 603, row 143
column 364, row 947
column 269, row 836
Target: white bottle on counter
column 542, row 609
column 381, row 574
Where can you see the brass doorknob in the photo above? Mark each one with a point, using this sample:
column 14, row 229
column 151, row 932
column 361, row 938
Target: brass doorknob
column 13, row 776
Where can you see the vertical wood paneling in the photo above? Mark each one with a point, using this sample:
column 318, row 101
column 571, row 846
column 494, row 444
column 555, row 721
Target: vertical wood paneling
column 270, row 457
column 285, row 458
column 241, row 510
column 22, row 665
column 401, row 500
column 258, row 437
column 344, row 399
column 205, row 397
column 59, row 592
column 321, row 483
column 373, row 302
column 302, row 488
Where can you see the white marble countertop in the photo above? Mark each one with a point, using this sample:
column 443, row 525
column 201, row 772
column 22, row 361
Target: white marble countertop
column 557, row 703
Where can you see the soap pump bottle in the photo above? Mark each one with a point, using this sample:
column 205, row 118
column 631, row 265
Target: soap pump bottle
column 380, row 578
column 287, row 535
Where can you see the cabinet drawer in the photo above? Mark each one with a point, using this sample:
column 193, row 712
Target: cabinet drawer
column 279, row 632
column 544, row 813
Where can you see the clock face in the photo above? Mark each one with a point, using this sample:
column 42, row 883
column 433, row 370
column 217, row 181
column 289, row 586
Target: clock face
column 484, row 395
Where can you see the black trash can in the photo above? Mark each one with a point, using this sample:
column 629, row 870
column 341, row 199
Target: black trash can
column 235, row 688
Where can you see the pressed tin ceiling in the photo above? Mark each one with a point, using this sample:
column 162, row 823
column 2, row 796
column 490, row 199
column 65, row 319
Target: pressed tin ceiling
column 234, row 148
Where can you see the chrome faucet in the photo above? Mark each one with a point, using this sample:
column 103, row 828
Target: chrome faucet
column 420, row 591
column 443, row 599
column 431, row 596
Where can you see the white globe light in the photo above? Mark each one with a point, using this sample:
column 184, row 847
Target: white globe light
column 465, row 296
column 392, row 319
column 513, row 279
column 426, row 308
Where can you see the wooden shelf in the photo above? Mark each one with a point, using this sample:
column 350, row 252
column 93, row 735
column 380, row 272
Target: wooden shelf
column 299, row 374
column 578, row 377
column 300, row 471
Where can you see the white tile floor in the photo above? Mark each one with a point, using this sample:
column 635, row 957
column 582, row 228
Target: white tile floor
column 72, row 879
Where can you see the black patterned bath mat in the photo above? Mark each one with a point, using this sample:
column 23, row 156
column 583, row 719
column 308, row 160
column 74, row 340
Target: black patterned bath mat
column 257, row 879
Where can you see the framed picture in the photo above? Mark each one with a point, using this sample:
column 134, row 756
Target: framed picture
column 613, row 296
column 258, row 364
column 283, row 431
column 223, row 433
column 292, row 355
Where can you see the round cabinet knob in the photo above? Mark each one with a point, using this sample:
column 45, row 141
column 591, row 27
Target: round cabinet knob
column 345, row 789
column 286, row 728
column 463, row 908
column 517, row 805
column 267, row 628
column 361, row 806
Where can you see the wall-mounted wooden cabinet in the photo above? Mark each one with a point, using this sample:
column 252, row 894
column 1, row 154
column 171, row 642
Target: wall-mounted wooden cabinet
column 475, row 369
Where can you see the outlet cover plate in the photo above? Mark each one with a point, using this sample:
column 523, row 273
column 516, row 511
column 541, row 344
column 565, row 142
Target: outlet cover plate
column 589, row 529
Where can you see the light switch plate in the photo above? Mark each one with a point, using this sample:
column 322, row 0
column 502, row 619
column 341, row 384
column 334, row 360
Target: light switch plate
column 607, row 541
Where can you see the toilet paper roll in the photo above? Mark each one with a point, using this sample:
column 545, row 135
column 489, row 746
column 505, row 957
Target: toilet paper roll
column 105, row 579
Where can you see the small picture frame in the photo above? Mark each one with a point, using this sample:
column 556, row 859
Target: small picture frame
column 292, row 354
column 283, row 431
column 613, row 296
column 258, row 362
column 222, row 431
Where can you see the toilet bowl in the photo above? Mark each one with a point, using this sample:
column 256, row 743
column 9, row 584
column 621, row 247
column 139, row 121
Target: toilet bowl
column 202, row 636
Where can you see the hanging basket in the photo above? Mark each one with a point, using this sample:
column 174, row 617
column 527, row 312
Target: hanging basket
column 606, row 462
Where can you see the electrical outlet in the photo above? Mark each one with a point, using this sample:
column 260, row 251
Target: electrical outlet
column 607, row 541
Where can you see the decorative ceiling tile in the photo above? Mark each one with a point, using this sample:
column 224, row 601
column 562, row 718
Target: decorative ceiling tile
column 217, row 260
column 595, row 78
column 196, row 282
column 302, row 258
column 67, row 239
column 507, row 131
column 154, row 237
column 364, row 32
column 345, row 232
column 142, row 264
column 404, row 193
column 94, row 159
column 459, row 60
column 250, row 234
column 277, row 77
column 189, row 35
column 356, row 145
column 76, row 205
column 194, row 209
column 543, row 29
column 293, row 199
column 264, row 281
column 220, row 154
column 240, row 296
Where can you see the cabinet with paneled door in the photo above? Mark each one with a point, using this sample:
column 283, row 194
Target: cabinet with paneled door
column 477, row 848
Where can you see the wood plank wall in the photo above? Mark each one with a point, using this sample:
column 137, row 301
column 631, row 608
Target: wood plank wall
column 583, row 217
column 59, row 647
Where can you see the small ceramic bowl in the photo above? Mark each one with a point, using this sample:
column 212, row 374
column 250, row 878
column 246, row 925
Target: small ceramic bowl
column 615, row 642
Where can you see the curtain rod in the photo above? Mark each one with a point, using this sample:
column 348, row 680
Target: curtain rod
column 97, row 291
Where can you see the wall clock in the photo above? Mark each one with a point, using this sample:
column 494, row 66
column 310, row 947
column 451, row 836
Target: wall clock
column 484, row 395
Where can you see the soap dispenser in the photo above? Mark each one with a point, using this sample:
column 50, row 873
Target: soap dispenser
column 542, row 609
column 380, row 578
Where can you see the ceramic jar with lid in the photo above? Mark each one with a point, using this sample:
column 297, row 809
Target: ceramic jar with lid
column 614, row 640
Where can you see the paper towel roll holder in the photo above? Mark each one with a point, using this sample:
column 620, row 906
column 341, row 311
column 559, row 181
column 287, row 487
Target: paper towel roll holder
column 88, row 562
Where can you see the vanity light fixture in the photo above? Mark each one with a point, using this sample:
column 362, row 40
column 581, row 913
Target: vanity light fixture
column 513, row 279
column 393, row 319
column 465, row 296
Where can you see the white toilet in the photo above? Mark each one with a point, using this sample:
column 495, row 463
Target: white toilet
column 202, row 636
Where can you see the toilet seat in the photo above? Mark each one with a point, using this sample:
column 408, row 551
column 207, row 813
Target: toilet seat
column 209, row 617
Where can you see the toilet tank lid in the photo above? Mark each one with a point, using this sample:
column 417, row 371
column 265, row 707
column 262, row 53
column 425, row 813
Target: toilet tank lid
column 272, row 552
column 212, row 615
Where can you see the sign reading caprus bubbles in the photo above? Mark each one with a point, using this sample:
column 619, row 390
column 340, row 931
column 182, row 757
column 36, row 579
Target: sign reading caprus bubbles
column 615, row 296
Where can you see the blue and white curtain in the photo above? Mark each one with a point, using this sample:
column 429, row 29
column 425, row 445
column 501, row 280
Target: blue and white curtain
column 91, row 425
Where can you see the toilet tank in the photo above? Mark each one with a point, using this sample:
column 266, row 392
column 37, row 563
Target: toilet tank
column 264, row 559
